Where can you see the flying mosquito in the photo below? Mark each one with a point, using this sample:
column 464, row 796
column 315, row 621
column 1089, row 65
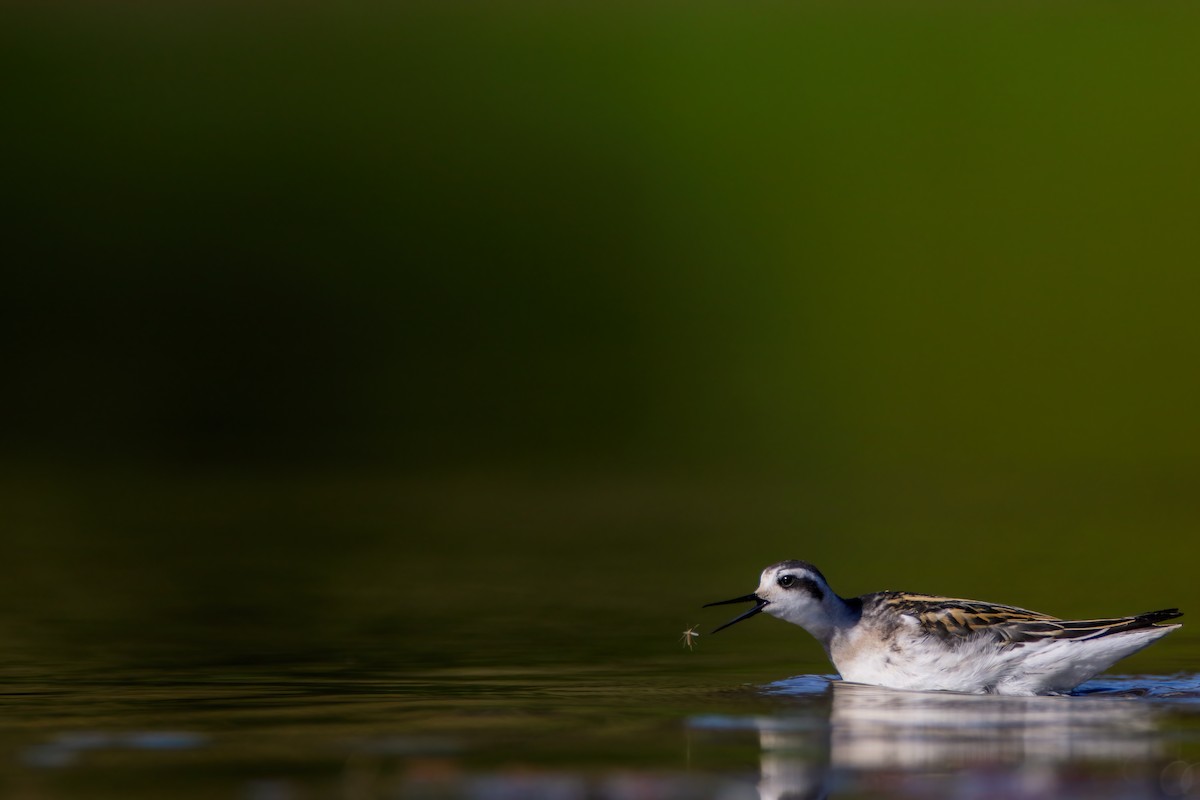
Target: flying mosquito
column 689, row 636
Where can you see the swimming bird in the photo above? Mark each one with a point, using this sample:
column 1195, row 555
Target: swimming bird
column 924, row 642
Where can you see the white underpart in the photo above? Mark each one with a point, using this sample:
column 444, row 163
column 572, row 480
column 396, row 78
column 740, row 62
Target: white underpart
column 979, row 665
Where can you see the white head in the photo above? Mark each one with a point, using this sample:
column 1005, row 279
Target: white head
column 797, row 592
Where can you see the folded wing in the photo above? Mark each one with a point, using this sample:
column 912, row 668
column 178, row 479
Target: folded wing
column 954, row 619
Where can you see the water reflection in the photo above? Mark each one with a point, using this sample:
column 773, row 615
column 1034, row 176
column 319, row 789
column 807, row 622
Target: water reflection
column 66, row 749
column 852, row 737
column 875, row 728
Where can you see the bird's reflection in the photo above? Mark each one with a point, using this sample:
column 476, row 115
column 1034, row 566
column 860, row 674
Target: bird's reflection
column 871, row 732
column 876, row 728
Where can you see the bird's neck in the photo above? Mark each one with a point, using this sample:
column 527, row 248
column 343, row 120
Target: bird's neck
column 827, row 620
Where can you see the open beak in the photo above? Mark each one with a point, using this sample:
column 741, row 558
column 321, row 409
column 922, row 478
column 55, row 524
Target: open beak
column 760, row 604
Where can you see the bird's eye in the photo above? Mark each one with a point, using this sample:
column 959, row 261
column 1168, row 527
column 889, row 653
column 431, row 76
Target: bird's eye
column 786, row 580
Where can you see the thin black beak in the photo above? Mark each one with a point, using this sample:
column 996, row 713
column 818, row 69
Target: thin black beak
column 750, row 598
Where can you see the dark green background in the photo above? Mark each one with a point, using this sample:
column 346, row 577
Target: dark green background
column 500, row 331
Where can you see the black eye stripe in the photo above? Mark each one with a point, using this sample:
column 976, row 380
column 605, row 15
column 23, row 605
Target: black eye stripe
column 807, row 584
column 812, row 587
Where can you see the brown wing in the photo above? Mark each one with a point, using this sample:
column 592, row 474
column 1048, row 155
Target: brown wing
column 954, row 619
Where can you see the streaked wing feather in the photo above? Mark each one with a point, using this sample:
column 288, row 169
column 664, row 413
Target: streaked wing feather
column 954, row 619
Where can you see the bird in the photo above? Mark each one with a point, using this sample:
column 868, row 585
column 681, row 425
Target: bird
column 924, row 642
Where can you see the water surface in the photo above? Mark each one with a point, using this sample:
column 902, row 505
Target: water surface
column 398, row 638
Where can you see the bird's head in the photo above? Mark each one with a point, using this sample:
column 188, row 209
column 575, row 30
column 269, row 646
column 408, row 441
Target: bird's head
column 795, row 591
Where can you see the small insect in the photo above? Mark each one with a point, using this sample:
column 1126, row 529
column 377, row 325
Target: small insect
column 688, row 636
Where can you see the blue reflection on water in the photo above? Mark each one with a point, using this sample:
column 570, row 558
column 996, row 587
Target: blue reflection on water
column 1182, row 686
column 65, row 749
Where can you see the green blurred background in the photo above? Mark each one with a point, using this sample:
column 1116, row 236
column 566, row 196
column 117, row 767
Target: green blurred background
column 495, row 331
